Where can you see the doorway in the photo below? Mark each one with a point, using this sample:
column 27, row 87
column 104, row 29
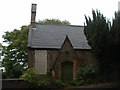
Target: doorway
column 67, row 71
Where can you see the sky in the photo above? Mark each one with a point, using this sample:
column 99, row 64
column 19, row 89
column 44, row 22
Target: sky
column 16, row 13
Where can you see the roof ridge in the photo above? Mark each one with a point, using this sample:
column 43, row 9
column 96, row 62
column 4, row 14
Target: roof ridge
column 59, row 25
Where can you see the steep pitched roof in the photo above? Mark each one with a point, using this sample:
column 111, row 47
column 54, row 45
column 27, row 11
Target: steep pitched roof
column 66, row 52
column 52, row 36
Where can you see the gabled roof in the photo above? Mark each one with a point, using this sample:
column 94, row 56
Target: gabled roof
column 52, row 36
column 66, row 52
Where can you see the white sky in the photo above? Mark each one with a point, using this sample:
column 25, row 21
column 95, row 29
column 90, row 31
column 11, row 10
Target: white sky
column 15, row 13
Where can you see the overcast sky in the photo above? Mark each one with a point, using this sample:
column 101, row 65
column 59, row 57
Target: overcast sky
column 15, row 13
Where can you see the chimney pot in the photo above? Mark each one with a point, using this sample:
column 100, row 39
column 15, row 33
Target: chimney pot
column 33, row 7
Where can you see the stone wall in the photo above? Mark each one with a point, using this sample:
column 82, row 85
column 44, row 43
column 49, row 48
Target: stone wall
column 51, row 56
column 13, row 83
column 43, row 60
column 85, row 57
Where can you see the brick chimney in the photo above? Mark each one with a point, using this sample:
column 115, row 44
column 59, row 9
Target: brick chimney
column 33, row 14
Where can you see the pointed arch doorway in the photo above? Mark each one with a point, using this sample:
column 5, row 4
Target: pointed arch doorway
column 67, row 71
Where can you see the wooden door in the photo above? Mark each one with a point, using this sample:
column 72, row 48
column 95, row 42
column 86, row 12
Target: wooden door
column 67, row 71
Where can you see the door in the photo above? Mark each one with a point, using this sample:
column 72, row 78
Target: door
column 67, row 71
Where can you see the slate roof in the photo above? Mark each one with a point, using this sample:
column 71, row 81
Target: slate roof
column 50, row 36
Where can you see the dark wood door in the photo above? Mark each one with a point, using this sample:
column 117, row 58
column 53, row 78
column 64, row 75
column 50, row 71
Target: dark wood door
column 67, row 71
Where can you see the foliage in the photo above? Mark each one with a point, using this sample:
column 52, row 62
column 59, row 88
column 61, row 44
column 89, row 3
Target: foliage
column 97, row 33
column 54, row 21
column 87, row 75
column 115, row 36
column 0, row 53
column 0, row 45
column 104, row 40
column 31, row 77
column 15, row 53
column 41, row 81
column 72, row 83
column 115, row 45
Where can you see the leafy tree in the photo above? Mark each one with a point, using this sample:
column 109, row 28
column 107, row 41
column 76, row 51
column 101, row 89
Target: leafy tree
column 115, row 44
column 97, row 33
column 0, row 50
column 15, row 54
column 115, row 36
column 104, row 40
column 54, row 21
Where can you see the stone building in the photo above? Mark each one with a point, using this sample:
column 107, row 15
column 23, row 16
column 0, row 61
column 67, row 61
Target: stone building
column 60, row 49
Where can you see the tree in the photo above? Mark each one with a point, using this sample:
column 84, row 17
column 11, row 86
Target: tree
column 104, row 40
column 97, row 33
column 115, row 43
column 0, row 54
column 115, row 36
column 54, row 21
column 16, row 52
column 0, row 50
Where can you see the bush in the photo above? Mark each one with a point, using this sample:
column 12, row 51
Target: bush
column 57, row 84
column 87, row 75
column 71, row 83
column 41, row 81
column 31, row 77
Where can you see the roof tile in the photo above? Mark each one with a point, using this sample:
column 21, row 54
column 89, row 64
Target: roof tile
column 52, row 36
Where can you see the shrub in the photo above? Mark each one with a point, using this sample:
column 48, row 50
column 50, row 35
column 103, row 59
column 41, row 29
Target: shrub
column 31, row 77
column 41, row 81
column 87, row 75
column 57, row 84
column 71, row 83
